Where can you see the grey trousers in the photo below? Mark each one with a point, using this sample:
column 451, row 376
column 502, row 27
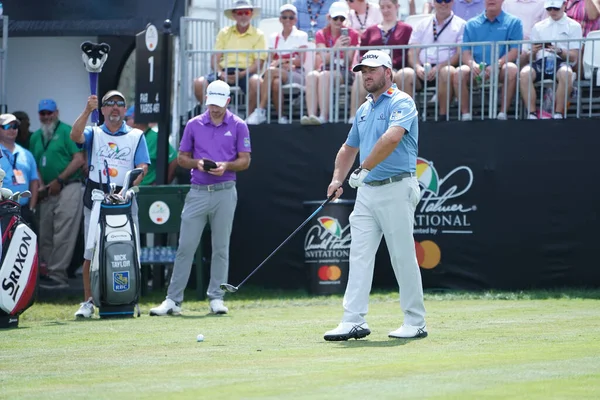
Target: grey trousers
column 200, row 207
column 60, row 217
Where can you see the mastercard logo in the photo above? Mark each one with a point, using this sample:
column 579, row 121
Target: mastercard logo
column 330, row 273
column 428, row 254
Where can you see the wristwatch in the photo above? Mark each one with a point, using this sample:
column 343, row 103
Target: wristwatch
column 61, row 181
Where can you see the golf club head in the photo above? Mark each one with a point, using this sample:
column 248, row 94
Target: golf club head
column 2, row 175
column 15, row 196
column 130, row 178
column 229, row 288
column 26, row 194
column 6, row 193
column 113, row 187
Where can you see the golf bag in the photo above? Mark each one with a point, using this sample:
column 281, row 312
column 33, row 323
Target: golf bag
column 19, row 267
column 115, row 274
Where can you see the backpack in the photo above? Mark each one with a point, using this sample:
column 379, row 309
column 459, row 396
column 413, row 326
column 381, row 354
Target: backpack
column 19, row 267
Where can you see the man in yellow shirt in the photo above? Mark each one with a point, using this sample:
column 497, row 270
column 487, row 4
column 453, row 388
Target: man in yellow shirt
column 237, row 68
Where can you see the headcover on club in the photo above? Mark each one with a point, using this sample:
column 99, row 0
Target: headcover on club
column 228, row 288
column 94, row 55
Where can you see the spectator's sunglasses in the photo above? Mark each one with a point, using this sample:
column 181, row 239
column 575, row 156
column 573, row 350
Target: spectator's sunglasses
column 290, row 17
column 46, row 113
column 552, row 8
column 110, row 103
column 339, row 18
column 443, row 1
column 13, row 125
column 243, row 12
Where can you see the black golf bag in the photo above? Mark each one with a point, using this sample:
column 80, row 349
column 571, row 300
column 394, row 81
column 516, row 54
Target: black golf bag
column 115, row 274
column 19, row 267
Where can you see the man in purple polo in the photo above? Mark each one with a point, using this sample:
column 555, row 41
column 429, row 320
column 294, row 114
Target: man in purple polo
column 215, row 145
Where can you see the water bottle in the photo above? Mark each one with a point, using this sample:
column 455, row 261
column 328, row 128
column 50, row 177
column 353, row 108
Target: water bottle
column 427, row 68
column 479, row 78
column 144, row 254
column 164, row 255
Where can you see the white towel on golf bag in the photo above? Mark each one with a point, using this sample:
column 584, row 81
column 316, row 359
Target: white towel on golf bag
column 97, row 198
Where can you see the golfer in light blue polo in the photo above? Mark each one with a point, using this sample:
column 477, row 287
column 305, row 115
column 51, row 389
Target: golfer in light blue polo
column 385, row 133
column 221, row 137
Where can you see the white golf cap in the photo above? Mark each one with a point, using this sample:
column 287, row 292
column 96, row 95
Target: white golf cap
column 553, row 3
column 339, row 9
column 374, row 58
column 288, row 7
column 217, row 93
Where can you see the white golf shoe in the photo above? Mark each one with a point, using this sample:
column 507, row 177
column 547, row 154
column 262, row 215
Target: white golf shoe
column 409, row 332
column 167, row 307
column 217, row 307
column 347, row 330
column 86, row 309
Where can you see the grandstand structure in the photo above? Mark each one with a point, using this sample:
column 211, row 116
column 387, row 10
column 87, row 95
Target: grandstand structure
column 205, row 19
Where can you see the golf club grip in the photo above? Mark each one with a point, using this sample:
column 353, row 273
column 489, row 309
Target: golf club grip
column 291, row 236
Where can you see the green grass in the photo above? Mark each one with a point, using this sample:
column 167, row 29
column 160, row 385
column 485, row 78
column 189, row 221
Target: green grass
column 488, row 345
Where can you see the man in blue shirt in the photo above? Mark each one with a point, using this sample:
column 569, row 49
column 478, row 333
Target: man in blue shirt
column 386, row 134
column 493, row 25
column 122, row 148
column 312, row 15
column 19, row 165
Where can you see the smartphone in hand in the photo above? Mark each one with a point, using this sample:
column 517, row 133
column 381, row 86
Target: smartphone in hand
column 344, row 31
column 209, row 164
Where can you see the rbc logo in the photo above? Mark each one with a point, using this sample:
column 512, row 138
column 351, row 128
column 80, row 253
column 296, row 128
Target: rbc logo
column 121, row 281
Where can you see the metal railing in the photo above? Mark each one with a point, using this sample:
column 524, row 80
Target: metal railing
column 485, row 93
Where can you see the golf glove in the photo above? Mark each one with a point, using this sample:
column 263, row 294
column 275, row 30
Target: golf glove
column 357, row 179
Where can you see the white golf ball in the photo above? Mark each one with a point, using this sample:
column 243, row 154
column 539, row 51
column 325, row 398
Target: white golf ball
column 200, row 338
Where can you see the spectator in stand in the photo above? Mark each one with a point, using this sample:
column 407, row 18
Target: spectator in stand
column 553, row 60
column 467, row 9
column 286, row 66
column 334, row 64
column 237, row 69
column 529, row 12
column 312, row 15
column 492, row 25
column 363, row 14
column 24, row 134
column 586, row 13
column 390, row 32
column 435, row 65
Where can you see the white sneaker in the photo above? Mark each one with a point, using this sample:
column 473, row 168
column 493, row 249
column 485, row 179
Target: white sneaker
column 409, row 332
column 501, row 116
column 283, row 120
column 305, row 120
column 466, row 117
column 347, row 330
column 217, row 307
column 351, row 120
column 557, row 116
column 166, row 307
column 532, row 116
column 86, row 309
column 257, row 117
column 322, row 120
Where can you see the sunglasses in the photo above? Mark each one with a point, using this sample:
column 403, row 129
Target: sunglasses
column 290, row 17
column 46, row 113
column 243, row 12
column 443, row 1
column 339, row 18
column 110, row 103
column 552, row 8
column 13, row 125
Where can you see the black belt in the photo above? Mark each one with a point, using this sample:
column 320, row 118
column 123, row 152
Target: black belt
column 214, row 187
column 393, row 179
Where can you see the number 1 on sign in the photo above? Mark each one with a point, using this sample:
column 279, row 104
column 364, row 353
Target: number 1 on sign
column 151, row 62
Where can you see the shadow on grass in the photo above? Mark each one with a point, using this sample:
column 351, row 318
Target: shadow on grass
column 375, row 343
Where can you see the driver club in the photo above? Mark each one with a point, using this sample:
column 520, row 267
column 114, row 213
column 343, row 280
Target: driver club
column 232, row 289
column 130, row 178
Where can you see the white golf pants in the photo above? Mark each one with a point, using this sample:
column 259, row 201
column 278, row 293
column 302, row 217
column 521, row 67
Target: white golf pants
column 388, row 211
